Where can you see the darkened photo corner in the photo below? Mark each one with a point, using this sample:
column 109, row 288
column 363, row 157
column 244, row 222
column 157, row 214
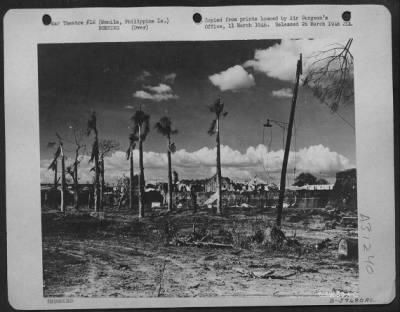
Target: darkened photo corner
column 198, row 169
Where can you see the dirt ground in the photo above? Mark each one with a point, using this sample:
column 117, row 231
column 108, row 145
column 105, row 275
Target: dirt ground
column 122, row 256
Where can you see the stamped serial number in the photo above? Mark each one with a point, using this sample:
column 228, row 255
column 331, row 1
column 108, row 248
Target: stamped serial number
column 60, row 300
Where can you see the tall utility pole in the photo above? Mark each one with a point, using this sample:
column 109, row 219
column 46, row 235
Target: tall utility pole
column 287, row 147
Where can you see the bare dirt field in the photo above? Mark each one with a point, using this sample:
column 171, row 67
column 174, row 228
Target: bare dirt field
column 122, row 256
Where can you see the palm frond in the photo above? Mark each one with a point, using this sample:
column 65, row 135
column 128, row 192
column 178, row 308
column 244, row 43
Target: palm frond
column 133, row 139
column 164, row 127
column 95, row 150
column 138, row 117
column 53, row 165
column 57, row 153
column 51, row 144
column 172, row 148
column 175, row 174
column 160, row 129
column 141, row 120
column 146, row 128
column 92, row 123
column 217, row 107
column 211, row 130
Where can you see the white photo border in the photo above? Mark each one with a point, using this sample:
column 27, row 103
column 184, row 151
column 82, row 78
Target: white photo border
column 372, row 50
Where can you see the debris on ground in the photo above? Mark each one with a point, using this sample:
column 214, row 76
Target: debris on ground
column 194, row 286
column 270, row 274
column 322, row 245
column 349, row 221
column 121, row 256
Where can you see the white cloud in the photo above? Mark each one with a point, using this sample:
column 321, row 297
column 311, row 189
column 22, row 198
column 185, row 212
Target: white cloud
column 255, row 160
column 161, row 92
column 170, row 78
column 234, row 78
column 318, row 158
column 129, row 107
column 283, row 93
column 161, row 88
column 279, row 61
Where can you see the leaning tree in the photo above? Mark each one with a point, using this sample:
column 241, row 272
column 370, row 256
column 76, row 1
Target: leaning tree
column 53, row 166
column 164, row 127
column 217, row 108
column 141, row 127
column 92, row 128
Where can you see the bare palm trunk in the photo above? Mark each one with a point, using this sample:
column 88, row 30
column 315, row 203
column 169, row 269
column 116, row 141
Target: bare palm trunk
column 102, row 184
column 219, row 195
column 76, row 196
column 96, row 181
column 169, row 176
column 55, row 186
column 131, row 177
column 62, row 180
column 141, row 179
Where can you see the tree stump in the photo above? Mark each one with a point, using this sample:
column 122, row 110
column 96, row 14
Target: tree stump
column 348, row 248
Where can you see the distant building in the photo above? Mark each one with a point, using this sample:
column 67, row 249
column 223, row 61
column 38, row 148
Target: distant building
column 211, row 184
column 313, row 187
column 184, row 185
column 345, row 188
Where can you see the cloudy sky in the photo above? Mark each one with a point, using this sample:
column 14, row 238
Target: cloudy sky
column 179, row 80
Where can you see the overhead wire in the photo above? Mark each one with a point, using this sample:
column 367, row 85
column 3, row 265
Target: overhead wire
column 265, row 166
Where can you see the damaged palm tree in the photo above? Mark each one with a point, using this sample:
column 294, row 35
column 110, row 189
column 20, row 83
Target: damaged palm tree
column 141, row 127
column 129, row 155
column 218, row 109
column 176, row 179
column 72, row 170
column 92, row 128
column 105, row 147
column 53, row 166
column 164, row 127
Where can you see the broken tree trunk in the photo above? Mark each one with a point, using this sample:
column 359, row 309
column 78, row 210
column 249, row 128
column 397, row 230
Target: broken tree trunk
column 348, row 248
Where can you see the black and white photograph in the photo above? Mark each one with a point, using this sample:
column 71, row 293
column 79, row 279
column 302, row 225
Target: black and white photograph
column 198, row 168
column 190, row 157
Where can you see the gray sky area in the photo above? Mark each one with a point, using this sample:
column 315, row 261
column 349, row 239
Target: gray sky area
column 180, row 79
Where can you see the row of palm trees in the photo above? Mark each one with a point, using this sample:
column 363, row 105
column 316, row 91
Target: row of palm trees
column 139, row 131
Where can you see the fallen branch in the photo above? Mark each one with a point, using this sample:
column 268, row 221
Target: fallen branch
column 179, row 242
column 267, row 275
